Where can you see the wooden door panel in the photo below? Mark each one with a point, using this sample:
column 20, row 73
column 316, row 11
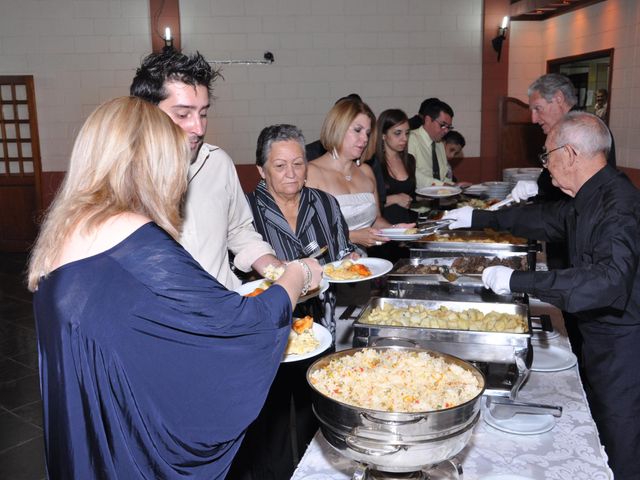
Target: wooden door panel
column 20, row 192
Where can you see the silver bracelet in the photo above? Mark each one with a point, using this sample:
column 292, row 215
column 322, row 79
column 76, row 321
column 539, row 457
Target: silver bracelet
column 307, row 276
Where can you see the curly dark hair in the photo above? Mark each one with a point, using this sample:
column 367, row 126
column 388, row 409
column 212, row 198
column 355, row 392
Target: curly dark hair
column 157, row 68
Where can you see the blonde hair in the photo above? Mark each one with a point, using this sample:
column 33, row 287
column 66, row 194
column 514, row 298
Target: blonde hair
column 337, row 122
column 128, row 157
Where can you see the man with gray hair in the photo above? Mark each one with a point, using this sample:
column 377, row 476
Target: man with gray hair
column 551, row 96
column 601, row 223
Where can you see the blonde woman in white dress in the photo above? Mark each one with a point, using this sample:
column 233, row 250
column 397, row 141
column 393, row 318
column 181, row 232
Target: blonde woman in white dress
column 346, row 134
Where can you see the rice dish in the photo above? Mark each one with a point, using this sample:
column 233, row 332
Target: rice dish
column 396, row 381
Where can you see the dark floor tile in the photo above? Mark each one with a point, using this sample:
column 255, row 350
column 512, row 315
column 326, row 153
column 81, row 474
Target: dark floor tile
column 28, row 322
column 13, row 262
column 28, row 359
column 12, row 370
column 18, row 393
column 20, row 340
column 15, row 430
column 10, row 310
column 24, row 462
column 31, row 413
column 16, row 292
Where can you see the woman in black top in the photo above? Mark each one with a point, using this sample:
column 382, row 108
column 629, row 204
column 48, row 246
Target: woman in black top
column 398, row 166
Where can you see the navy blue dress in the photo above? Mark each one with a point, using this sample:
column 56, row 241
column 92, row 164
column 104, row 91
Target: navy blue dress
column 149, row 367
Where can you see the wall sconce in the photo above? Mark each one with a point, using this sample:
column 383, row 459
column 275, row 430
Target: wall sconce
column 168, row 41
column 502, row 35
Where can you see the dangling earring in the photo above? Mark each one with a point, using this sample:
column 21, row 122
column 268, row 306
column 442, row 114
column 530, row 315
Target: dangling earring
column 357, row 162
column 334, row 154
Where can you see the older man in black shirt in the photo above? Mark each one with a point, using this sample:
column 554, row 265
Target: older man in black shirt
column 601, row 287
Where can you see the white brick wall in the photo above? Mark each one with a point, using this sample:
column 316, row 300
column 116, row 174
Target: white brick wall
column 395, row 54
column 611, row 24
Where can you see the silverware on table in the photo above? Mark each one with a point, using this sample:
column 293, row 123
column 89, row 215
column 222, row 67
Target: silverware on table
column 504, row 408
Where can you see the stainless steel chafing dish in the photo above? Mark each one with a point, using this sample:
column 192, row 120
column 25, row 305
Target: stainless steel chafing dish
column 504, row 358
column 434, row 288
column 469, row 245
column 394, row 441
column 447, row 261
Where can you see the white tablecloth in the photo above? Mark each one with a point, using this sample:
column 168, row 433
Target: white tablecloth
column 570, row 451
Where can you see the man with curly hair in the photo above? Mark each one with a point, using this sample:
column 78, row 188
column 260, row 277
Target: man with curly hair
column 217, row 217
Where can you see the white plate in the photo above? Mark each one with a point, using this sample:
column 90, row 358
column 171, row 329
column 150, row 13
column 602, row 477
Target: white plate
column 441, row 191
column 324, row 337
column 399, row 235
column 521, row 423
column 249, row 287
column 477, row 189
column 552, row 359
column 378, row 267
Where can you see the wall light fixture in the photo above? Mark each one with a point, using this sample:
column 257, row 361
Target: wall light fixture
column 502, row 36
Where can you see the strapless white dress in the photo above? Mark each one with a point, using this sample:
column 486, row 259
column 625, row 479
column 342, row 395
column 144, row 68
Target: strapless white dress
column 359, row 209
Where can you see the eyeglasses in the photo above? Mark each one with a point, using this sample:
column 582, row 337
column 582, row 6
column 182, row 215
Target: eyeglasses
column 544, row 156
column 444, row 125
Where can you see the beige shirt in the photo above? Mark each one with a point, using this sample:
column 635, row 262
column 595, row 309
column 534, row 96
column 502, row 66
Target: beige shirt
column 420, row 147
column 218, row 218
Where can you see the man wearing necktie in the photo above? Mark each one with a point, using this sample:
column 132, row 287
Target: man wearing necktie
column 425, row 144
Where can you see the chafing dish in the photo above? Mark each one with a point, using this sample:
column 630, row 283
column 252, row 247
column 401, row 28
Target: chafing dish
column 436, row 288
column 445, row 261
column 468, row 244
column 392, row 441
column 504, row 358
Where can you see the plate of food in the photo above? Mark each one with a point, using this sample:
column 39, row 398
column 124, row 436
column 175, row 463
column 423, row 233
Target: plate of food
column 348, row 271
column 306, row 339
column 439, row 191
column 251, row 289
column 400, row 234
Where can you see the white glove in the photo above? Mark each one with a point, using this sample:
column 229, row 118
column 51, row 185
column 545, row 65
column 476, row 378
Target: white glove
column 461, row 216
column 497, row 279
column 524, row 189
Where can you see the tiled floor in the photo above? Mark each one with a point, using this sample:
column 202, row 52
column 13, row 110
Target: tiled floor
column 21, row 441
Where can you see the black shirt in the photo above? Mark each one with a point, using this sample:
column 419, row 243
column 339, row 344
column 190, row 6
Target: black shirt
column 601, row 287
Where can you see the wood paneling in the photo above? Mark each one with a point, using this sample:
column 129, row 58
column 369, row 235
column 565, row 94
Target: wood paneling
column 520, row 141
column 164, row 13
column 494, row 86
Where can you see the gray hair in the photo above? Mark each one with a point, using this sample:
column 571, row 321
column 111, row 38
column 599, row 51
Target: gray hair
column 548, row 85
column 586, row 132
column 277, row 133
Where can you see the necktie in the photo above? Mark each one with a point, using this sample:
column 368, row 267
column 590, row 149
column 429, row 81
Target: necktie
column 434, row 160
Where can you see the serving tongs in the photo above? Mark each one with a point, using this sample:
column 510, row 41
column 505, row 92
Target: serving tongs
column 504, row 408
column 429, row 227
column 507, row 201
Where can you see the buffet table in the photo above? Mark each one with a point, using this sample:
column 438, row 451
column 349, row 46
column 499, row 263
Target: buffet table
column 570, row 450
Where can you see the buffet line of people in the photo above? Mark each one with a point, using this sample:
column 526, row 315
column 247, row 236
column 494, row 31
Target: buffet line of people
column 152, row 366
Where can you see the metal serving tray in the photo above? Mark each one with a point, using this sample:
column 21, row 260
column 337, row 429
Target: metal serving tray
column 435, row 287
column 469, row 245
column 445, row 260
column 504, row 358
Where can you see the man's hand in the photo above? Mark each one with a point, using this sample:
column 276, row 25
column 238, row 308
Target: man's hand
column 461, row 216
column 524, row 189
column 497, row 279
